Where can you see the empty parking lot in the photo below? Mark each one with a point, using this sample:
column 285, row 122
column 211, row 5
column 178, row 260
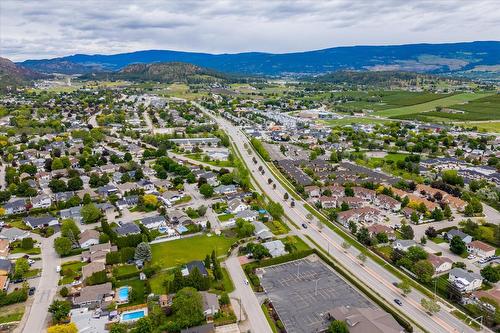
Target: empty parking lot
column 303, row 291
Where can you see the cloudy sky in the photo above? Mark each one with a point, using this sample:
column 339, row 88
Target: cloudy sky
column 50, row 28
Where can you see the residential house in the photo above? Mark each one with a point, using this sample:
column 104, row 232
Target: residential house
column 91, row 268
column 455, row 232
column 13, row 234
column 154, row 222
column 225, row 189
column 5, row 267
column 465, row 281
column 247, row 215
column 17, row 206
column 261, row 231
column 377, row 228
column 352, row 202
column 146, row 185
column 4, row 248
column 312, row 191
column 363, row 215
column 276, row 248
column 210, row 304
column 388, row 203
column 236, row 205
column 190, row 266
column 98, row 252
column 205, row 328
column 440, row 264
column 107, row 190
column 328, row 202
column 94, row 296
column 127, row 202
column 480, row 249
column 364, row 193
column 88, row 238
column 4, row 282
column 127, row 229
column 403, row 244
column 41, row 201
column 73, row 213
column 41, row 221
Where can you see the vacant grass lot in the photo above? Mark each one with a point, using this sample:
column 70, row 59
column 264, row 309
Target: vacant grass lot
column 490, row 126
column 430, row 106
column 353, row 120
column 178, row 252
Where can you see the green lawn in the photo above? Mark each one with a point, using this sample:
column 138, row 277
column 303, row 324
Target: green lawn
column 11, row 317
column 225, row 217
column 182, row 200
column 157, row 280
column 33, row 251
column 490, row 126
column 73, row 268
column 227, row 282
column 437, row 240
column 124, row 270
column 430, row 106
column 19, row 224
column 277, row 227
column 138, row 287
column 177, row 252
column 32, row 273
column 300, row 245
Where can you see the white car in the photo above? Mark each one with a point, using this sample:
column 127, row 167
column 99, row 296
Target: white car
column 246, row 282
column 471, row 256
column 58, row 269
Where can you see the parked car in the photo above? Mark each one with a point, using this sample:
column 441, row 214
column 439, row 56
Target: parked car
column 31, row 291
column 471, row 256
column 18, row 280
column 58, row 269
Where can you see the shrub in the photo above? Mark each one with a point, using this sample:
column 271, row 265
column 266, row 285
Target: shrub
column 64, row 292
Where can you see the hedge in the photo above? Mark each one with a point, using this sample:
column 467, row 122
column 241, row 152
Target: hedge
column 16, row 296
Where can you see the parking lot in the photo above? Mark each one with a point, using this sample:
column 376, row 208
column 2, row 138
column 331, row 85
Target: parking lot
column 303, row 291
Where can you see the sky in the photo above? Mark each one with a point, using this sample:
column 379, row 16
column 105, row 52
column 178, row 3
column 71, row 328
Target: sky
column 52, row 28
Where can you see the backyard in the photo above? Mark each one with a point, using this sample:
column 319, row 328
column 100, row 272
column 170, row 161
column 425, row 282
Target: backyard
column 177, row 252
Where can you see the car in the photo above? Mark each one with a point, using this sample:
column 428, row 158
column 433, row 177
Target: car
column 58, row 269
column 246, row 282
column 31, row 291
column 395, row 284
column 304, row 225
column 398, row 302
column 471, row 256
column 31, row 261
column 18, row 280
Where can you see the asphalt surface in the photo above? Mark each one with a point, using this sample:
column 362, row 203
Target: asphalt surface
column 372, row 274
column 249, row 301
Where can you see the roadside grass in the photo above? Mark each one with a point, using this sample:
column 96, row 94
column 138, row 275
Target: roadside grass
column 270, row 321
column 12, row 313
column 437, row 240
column 177, row 252
column 225, row 217
column 277, row 227
column 431, row 105
column 138, row 287
column 466, row 320
column 299, row 244
column 183, row 200
column 33, row 251
column 32, row 273
column 226, row 281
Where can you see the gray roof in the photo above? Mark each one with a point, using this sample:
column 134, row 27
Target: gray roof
column 455, row 232
column 463, row 274
column 5, row 265
column 127, row 228
column 153, row 219
column 38, row 221
column 13, row 233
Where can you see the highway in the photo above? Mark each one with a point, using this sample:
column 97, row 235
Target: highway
column 374, row 276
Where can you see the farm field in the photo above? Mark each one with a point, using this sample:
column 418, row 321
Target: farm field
column 353, row 120
column 431, row 105
column 489, row 126
column 178, row 252
column 486, row 108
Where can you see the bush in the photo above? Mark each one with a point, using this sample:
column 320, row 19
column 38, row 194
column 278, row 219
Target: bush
column 16, row 296
column 113, row 258
column 27, row 243
column 64, row 292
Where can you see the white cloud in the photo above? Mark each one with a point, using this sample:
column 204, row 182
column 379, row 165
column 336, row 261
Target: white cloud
column 50, row 28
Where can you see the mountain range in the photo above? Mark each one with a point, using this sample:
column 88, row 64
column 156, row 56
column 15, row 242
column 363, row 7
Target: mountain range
column 12, row 75
column 461, row 58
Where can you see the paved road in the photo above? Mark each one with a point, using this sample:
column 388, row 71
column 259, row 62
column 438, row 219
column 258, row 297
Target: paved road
column 373, row 275
column 46, row 290
column 249, row 301
column 2, row 176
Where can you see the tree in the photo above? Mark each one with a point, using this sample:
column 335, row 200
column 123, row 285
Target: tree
column 362, row 257
column 57, row 164
column 57, row 185
column 22, row 266
column 64, row 291
column 27, row 243
column 244, row 228
column 86, row 199
column 63, row 328
column 457, row 245
column 70, row 230
column 405, row 286
column 345, row 245
column 127, row 157
column 414, row 217
column 451, row 177
column 275, row 209
column 60, row 310
column 90, row 213
column 118, row 328
column 490, row 273
column 338, row 326
column 353, row 227
column 407, row 231
column 431, row 232
column 363, row 236
column 447, row 212
column 143, row 252
column 75, row 184
column 382, row 238
column 143, row 325
column 150, row 200
column 424, row 270
column 430, row 305
column 206, row 190
column 188, row 309
column 63, row 245
column 437, row 214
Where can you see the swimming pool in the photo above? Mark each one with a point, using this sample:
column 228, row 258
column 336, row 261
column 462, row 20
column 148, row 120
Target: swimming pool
column 133, row 315
column 123, row 294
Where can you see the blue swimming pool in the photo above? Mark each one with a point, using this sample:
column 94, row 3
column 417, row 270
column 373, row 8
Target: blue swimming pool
column 123, row 293
column 133, row 315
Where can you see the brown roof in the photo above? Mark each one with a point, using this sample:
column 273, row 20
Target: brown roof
column 92, row 268
column 4, row 245
column 93, row 293
column 377, row 228
column 3, row 281
column 481, row 245
column 364, row 320
column 437, row 261
column 493, row 294
column 88, row 234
